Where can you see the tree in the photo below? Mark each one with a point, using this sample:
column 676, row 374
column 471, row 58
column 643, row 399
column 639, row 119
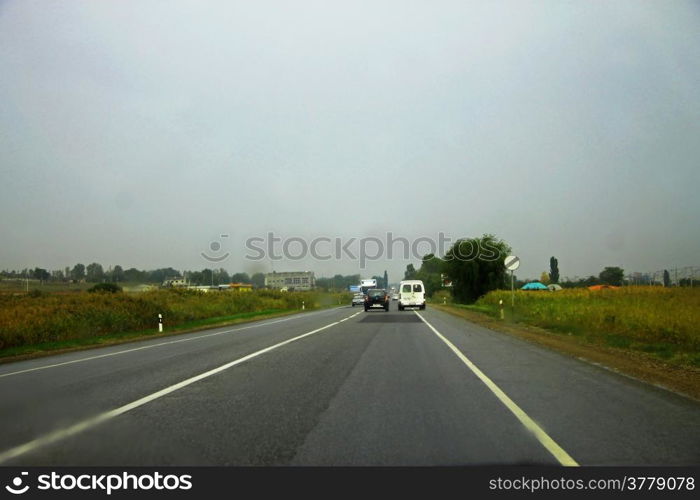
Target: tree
column 94, row 273
column 410, row 273
column 224, row 277
column 117, row 273
column 667, row 278
column 207, row 277
column 78, row 272
column 41, row 274
column 611, row 276
column 386, row 279
column 134, row 275
column 338, row 282
column 242, row 278
column 544, row 278
column 430, row 273
column 258, row 280
column 475, row 266
column 687, row 282
column 590, row 281
column 194, row 277
column 160, row 275
column 553, row 270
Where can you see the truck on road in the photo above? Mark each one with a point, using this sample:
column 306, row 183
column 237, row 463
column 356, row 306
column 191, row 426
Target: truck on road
column 366, row 285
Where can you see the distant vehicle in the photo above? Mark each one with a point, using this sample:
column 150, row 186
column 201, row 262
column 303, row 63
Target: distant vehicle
column 358, row 299
column 377, row 297
column 411, row 294
column 367, row 285
column 395, row 296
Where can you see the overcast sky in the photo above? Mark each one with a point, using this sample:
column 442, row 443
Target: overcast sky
column 137, row 132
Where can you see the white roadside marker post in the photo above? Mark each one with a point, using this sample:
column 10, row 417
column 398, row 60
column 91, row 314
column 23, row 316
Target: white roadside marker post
column 302, row 305
column 160, row 323
column 500, row 303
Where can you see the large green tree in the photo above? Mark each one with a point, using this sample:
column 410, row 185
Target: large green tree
column 475, row 266
column 611, row 276
column 430, row 273
column 78, row 272
column 134, row 275
column 94, row 273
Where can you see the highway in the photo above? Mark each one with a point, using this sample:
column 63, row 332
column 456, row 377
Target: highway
column 337, row 387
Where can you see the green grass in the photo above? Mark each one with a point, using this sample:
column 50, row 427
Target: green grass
column 46, row 319
column 662, row 322
column 138, row 334
column 20, row 286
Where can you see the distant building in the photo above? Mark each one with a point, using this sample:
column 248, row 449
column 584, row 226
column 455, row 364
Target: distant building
column 301, row 280
column 172, row 282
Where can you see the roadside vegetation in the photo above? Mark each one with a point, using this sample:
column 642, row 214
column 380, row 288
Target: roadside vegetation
column 54, row 319
column 661, row 322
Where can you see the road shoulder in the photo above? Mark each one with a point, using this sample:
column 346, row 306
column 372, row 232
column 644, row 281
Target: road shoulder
column 685, row 381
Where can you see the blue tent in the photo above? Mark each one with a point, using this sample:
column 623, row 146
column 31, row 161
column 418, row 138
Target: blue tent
column 534, row 286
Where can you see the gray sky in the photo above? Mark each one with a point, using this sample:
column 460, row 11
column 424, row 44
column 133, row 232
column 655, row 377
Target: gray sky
column 136, row 132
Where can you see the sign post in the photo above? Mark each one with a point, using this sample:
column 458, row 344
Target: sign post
column 512, row 263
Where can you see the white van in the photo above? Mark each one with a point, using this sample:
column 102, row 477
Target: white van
column 411, row 294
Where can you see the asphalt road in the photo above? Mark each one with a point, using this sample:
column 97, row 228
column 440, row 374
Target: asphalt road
column 337, row 387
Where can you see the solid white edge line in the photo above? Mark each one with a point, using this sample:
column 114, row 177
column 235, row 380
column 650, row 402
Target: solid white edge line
column 295, row 316
column 60, row 434
column 550, row 445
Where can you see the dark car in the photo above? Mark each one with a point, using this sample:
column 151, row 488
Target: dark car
column 377, row 297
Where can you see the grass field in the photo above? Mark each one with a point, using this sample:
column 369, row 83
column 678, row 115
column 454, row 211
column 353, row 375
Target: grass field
column 20, row 285
column 663, row 322
column 59, row 319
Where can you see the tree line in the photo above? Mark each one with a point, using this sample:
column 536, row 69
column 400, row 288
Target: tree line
column 95, row 273
column 470, row 278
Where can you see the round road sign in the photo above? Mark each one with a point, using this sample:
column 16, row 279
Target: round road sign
column 512, row 262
